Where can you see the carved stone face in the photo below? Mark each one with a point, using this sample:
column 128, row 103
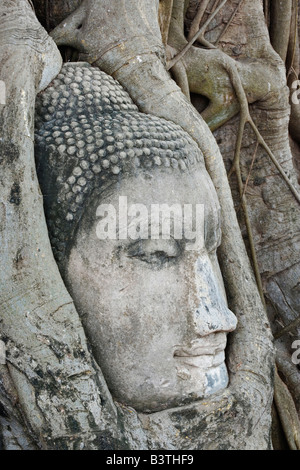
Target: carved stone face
column 154, row 310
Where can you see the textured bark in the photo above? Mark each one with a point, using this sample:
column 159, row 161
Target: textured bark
column 164, row 18
column 281, row 13
column 51, row 13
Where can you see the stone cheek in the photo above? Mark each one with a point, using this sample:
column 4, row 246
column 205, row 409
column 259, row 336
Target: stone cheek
column 87, row 131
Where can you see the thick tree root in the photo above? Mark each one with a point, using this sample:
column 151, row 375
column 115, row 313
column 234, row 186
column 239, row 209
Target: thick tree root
column 199, row 36
column 229, row 23
column 281, row 14
column 164, row 18
column 246, row 118
column 288, row 329
column 287, row 413
column 195, row 26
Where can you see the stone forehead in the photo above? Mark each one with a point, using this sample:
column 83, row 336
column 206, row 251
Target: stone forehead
column 89, row 131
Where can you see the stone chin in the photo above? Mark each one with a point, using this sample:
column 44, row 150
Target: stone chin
column 188, row 379
column 191, row 387
column 217, row 379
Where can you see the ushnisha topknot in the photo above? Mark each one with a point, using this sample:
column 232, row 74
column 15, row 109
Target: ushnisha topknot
column 88, row 131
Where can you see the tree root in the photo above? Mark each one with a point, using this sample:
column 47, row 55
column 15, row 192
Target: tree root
column 294, row 324
column 15, row 429
column 280, row 26
column 250, row 236
column 284, row 402
column 251, row 167
column 50, row 13
column 164, row 18
column 195, row 26
column 246, row 118
column 294, row 125
column 229, row 22
column 180, row 76
column 287, row 413
column 154, row 94
column 289, row 372
column 199, row 36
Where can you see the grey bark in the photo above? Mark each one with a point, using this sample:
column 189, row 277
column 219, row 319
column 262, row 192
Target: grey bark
column 54, row 12
column 280, row 26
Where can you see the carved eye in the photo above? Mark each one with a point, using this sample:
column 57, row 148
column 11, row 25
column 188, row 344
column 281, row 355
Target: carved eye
column 156, row 253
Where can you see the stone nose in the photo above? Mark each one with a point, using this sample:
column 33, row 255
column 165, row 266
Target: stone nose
column 211, row 314
column 208, row 320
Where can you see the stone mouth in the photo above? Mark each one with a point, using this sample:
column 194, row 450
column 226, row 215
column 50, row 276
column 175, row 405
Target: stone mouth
column 204, row 361
column 211, row 345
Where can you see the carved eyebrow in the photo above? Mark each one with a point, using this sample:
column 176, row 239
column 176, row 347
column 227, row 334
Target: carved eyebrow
column 150, row 232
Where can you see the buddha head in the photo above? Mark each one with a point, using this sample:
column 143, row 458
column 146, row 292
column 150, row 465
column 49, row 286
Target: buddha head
column 134, row 223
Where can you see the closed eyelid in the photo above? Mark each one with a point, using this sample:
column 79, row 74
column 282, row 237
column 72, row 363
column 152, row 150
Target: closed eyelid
column 170, row 248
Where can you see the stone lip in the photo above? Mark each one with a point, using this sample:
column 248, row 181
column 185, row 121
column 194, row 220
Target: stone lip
column 204, row 353
column 210, row 345
column 207, row 351
column 204, row 361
